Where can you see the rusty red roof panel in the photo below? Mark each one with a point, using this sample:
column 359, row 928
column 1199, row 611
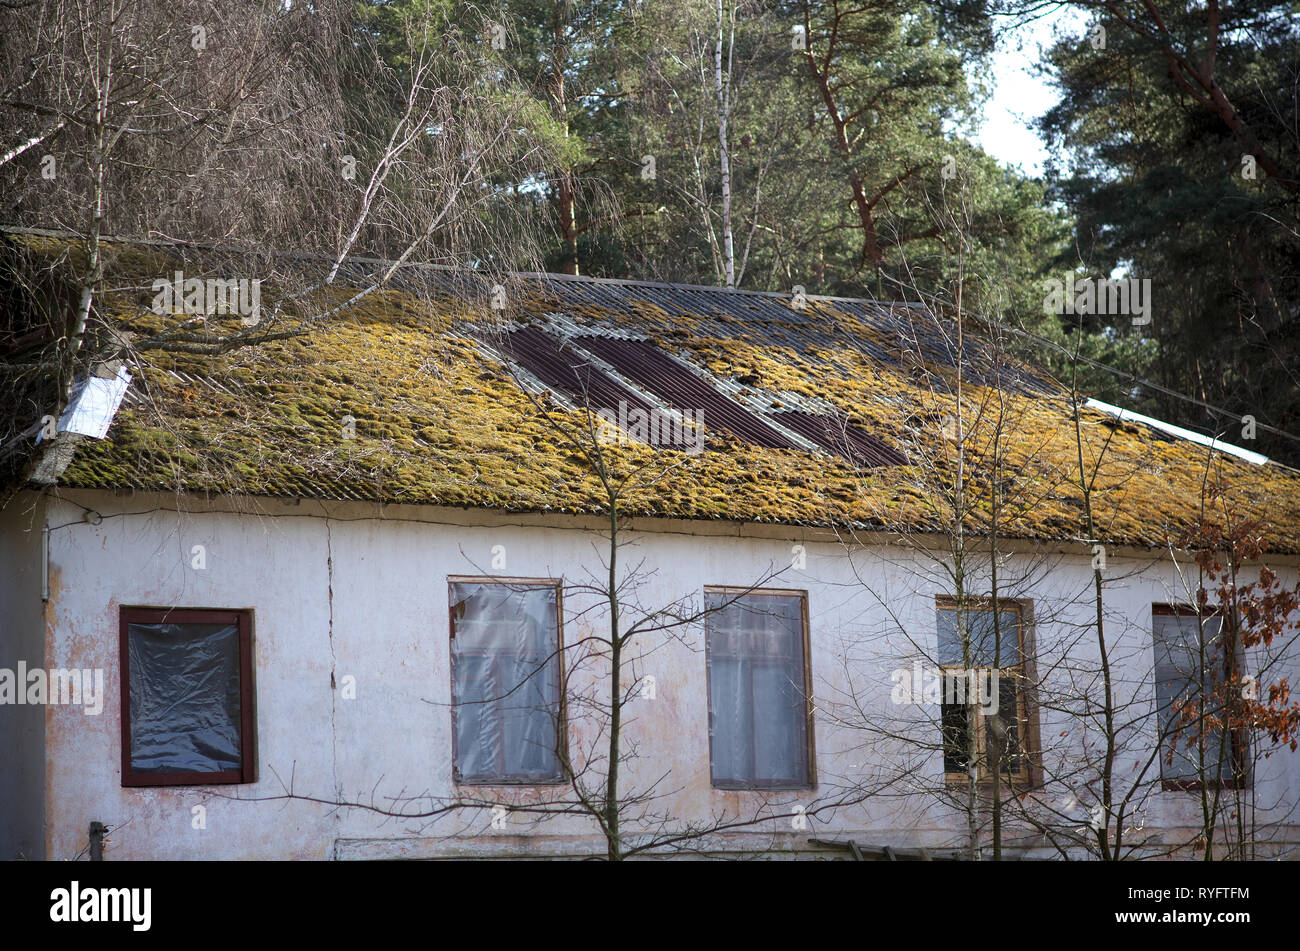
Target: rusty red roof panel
column 839, row 436
column 650, row 367
column 571, row 372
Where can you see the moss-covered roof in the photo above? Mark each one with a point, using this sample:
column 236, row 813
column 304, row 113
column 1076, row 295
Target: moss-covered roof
column 442, row 418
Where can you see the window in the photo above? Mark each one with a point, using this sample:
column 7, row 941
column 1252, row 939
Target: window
column 505, row 673
column 1182, row 672
column 187, row 697
column 759, row 712
column 996, row 658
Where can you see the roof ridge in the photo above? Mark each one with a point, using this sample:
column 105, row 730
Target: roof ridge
column 522, row 275
column 640, row 282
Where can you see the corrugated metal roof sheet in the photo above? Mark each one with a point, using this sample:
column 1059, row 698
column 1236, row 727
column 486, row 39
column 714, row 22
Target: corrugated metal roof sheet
column 567, row 369
column 839, row 436
column 569, row 364
column 680, row 388
column 771, row 319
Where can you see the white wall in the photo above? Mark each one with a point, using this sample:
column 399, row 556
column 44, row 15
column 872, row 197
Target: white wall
column 366, row 596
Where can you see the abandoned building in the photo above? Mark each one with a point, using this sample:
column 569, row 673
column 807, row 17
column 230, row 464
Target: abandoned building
column 369, row 562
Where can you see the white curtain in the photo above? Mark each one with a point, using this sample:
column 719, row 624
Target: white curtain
column 506, row 679
column 757, row 708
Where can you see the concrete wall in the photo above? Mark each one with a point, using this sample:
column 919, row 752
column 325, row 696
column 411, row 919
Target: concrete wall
column 363, row 594
column 22, row 640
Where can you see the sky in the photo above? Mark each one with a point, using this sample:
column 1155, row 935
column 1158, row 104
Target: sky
column 1019, row 97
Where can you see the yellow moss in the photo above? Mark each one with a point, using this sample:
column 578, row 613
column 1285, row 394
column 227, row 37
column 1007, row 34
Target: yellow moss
column 438, row 423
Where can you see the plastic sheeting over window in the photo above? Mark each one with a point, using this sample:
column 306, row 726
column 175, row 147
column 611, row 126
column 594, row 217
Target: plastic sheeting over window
column 1180, row 677
column 505, row 682
column 185, row 697
column 758, row 708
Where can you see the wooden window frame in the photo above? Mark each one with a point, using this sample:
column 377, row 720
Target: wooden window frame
column 1239, row 741
column 243, row 618
column 562, row 719
column 810, row 744
column 1030, row 775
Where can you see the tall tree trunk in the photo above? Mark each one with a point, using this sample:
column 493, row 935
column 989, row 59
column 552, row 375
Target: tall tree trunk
column 565, row 192
column 613, row 841
column 76, row 328
column 963, row 625
column 724, row 155
column 566, row 186
column 1103, row 650
column 871, row 252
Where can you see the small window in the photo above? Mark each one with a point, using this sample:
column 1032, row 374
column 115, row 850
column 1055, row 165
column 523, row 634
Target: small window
column 507, row 720
column 1184, row 673
column 994, row 659
column 759, row 713
column 187, row 697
